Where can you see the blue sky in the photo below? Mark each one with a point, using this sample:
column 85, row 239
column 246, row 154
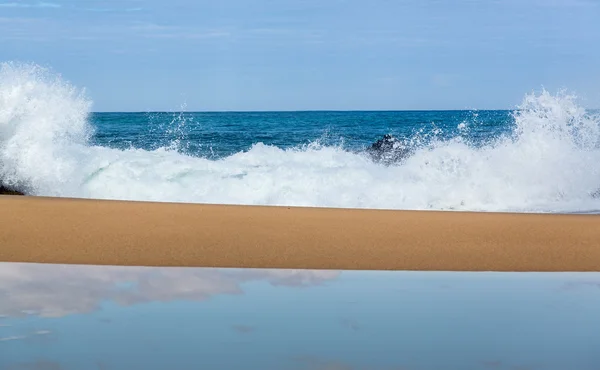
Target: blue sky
column 135, row 55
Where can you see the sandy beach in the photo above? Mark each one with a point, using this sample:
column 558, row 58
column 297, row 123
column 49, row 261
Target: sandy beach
column 100, row 232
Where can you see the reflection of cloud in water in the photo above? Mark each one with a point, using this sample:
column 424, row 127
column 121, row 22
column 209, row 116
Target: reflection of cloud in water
column 35, row 334
column 572, row 285
column 296, row 278
column 494, row 364
column 59, row 290
column 11, row 338
column 37, row 365
column 350, row 324
column 315, row 363
column 243, row 329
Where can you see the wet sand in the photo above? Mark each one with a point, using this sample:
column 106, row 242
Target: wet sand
column 77, row 231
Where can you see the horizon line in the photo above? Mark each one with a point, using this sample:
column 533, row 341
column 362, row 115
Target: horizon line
column 310, row 111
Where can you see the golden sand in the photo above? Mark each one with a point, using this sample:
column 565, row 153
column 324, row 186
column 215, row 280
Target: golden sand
column 53, row 230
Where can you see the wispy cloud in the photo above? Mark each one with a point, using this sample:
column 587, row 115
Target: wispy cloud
column 113, row 10
column 29, row 5
column 23, row 28
column 567, row 3
column 153, row 30
column 16, row 20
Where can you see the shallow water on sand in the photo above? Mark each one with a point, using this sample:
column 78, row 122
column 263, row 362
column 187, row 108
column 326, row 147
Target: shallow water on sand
column 190, row 318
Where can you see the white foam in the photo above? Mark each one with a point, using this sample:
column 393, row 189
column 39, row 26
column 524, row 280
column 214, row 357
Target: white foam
column 549, row 164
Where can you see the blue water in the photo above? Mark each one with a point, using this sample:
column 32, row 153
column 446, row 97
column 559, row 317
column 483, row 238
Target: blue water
column 220, row 134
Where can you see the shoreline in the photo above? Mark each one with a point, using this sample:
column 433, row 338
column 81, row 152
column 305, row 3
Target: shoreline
column 110, row 232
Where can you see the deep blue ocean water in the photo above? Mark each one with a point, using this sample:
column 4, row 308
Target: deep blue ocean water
column 220, row 134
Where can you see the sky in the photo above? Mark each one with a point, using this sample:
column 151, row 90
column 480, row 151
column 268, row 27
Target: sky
column 140, row 55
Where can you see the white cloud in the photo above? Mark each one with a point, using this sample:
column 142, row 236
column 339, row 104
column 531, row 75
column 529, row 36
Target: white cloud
column 444, row 79
column 29, row 5
column 17, row 21
column 113, row 10
column 153, row 30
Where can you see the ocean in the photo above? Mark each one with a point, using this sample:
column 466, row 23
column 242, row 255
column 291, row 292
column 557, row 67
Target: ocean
column 542, row 156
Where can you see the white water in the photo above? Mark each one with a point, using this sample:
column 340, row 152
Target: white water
column 550, row 164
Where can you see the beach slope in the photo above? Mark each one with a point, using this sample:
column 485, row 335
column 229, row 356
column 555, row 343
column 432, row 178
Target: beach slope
column 100, row 232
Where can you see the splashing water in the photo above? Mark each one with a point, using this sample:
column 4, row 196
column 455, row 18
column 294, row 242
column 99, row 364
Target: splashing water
column 548, row 162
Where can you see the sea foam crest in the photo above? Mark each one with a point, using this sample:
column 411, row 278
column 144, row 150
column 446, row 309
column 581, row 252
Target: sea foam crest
column 42, row 118
column 549, row 162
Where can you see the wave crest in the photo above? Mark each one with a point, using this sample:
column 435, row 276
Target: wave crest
column 41, row 119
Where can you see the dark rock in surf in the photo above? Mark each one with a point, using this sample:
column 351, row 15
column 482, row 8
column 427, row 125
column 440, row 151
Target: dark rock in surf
column 8, row 191
column 388, row 150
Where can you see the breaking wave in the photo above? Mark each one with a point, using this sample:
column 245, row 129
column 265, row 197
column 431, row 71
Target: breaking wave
column 548, row 163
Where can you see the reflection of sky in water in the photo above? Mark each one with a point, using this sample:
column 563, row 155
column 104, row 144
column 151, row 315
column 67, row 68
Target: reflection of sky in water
column 78, row 317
